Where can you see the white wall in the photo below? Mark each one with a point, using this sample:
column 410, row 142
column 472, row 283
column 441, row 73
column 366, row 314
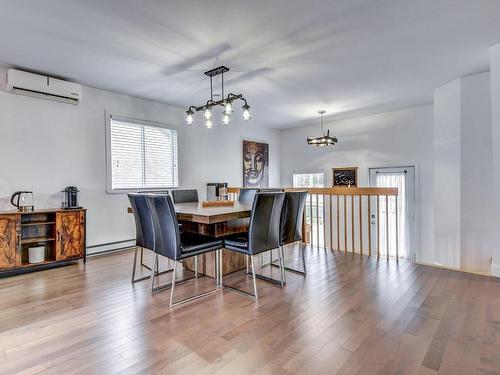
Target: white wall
column 495, row 113
column 45, row 146
column 447, row 121
column 477, row 187
column 400, row 138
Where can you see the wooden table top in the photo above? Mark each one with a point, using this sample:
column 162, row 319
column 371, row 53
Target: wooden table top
column 194, row 212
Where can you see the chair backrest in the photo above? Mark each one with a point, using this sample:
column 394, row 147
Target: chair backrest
column 161, row 192
column 292, row 216
column 185, row 196
column 167, row 236
column 271, row 190
column 247, row 195
column 144, row 230
column 264, row 230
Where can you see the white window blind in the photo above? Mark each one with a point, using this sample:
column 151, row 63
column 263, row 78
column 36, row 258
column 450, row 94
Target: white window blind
column 142, row 156
column 307, row 180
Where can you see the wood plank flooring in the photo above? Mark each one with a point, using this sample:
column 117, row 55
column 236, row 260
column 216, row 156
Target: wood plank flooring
column 350, row 315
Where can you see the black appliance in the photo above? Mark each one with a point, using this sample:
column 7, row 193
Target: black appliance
column 70, row 198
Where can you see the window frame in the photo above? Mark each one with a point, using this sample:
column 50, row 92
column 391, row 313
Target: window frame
column 310, row 172
column 109, row 173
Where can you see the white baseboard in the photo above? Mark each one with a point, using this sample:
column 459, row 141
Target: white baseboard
column 110, row 247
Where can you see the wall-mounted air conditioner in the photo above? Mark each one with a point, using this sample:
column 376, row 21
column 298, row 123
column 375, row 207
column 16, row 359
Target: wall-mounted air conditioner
column 24, row 83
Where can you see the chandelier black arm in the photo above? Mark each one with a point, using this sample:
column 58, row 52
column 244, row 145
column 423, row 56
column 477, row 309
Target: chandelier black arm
column 222, row 102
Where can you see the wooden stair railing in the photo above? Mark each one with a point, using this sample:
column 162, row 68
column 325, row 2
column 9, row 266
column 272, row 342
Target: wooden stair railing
column 340, row 219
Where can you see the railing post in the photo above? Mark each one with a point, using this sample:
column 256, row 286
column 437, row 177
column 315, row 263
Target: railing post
column 345, row 223
column 331, row 222
column 378, row 226
column 360, row 202
column 369, row 225
column 397, row 229
column 387, row 225
column 338, row 222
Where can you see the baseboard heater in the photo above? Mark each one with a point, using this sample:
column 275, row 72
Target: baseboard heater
column 110, row 247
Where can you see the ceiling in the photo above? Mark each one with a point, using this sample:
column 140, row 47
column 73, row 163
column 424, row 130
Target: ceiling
column 288, row 57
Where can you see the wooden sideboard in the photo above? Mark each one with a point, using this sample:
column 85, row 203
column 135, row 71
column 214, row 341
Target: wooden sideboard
column 62, row 232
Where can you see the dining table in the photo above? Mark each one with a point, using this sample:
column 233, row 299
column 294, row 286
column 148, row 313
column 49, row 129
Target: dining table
column 216, row 222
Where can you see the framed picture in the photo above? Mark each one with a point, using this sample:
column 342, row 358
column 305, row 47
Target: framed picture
column 255, row 164
column 347, row 176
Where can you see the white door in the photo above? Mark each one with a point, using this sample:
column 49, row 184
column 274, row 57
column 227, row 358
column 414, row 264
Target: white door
column 404, row 179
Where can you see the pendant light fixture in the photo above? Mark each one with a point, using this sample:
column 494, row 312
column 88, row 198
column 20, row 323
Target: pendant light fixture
column 226, row 103
column 325, row 139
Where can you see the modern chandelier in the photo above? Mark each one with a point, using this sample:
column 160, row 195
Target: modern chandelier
column 325, row 139
column 226, row 103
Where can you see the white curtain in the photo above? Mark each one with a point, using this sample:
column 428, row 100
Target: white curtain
column 388, row 243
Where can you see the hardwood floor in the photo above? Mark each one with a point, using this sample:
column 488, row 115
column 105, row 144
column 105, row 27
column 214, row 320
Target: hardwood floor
column 350, row 315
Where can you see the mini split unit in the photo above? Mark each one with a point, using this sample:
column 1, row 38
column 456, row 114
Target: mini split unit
column 24, row 83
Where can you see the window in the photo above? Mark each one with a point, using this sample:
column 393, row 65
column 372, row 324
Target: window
column 308, row 180
column 141, row 155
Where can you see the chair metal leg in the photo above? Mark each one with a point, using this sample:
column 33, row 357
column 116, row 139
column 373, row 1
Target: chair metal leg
column 246, row 264
column 192, row 298
column 282, row 265
column 303, row 258
column 152, row 281
column 173, row 285
column 134, row 280
column 216, row 269
column 254, row 280
column 221, row 268
column 196, row 266
column 142, row 260
column 135, row 265
column 270, row 279
column 293, row 269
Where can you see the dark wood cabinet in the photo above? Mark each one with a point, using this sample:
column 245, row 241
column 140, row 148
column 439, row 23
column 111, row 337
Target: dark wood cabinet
column 61, row 234
column 10, row 254
column 69, row 234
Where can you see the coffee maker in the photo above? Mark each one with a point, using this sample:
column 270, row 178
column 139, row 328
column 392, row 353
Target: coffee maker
column 70, row 198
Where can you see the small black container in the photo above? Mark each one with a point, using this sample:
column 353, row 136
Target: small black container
column 70, row 198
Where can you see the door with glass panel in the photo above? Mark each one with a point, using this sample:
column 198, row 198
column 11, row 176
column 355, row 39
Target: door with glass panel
column 404, row 179
column 314, row 212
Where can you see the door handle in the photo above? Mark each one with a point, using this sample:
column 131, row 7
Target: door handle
column 58, row 235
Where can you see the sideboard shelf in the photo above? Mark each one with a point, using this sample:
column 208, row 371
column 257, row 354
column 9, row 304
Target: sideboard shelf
column 61, row 232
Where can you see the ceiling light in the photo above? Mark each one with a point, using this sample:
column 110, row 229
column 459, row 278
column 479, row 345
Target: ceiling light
column 325, row 139
column 227, row 102
column 226, row 118
column 246, row 112
column 189, row 116
column 208, row 114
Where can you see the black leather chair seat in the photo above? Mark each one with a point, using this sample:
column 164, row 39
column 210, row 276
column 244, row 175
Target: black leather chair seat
column 237, row 241
column 195, row 243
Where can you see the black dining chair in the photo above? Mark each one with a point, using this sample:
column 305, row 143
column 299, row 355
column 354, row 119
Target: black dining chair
column 263, row 235
column 185, row 196
column 247, row 195
column 171, row 243
column 292, row 217
column 144, row 231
